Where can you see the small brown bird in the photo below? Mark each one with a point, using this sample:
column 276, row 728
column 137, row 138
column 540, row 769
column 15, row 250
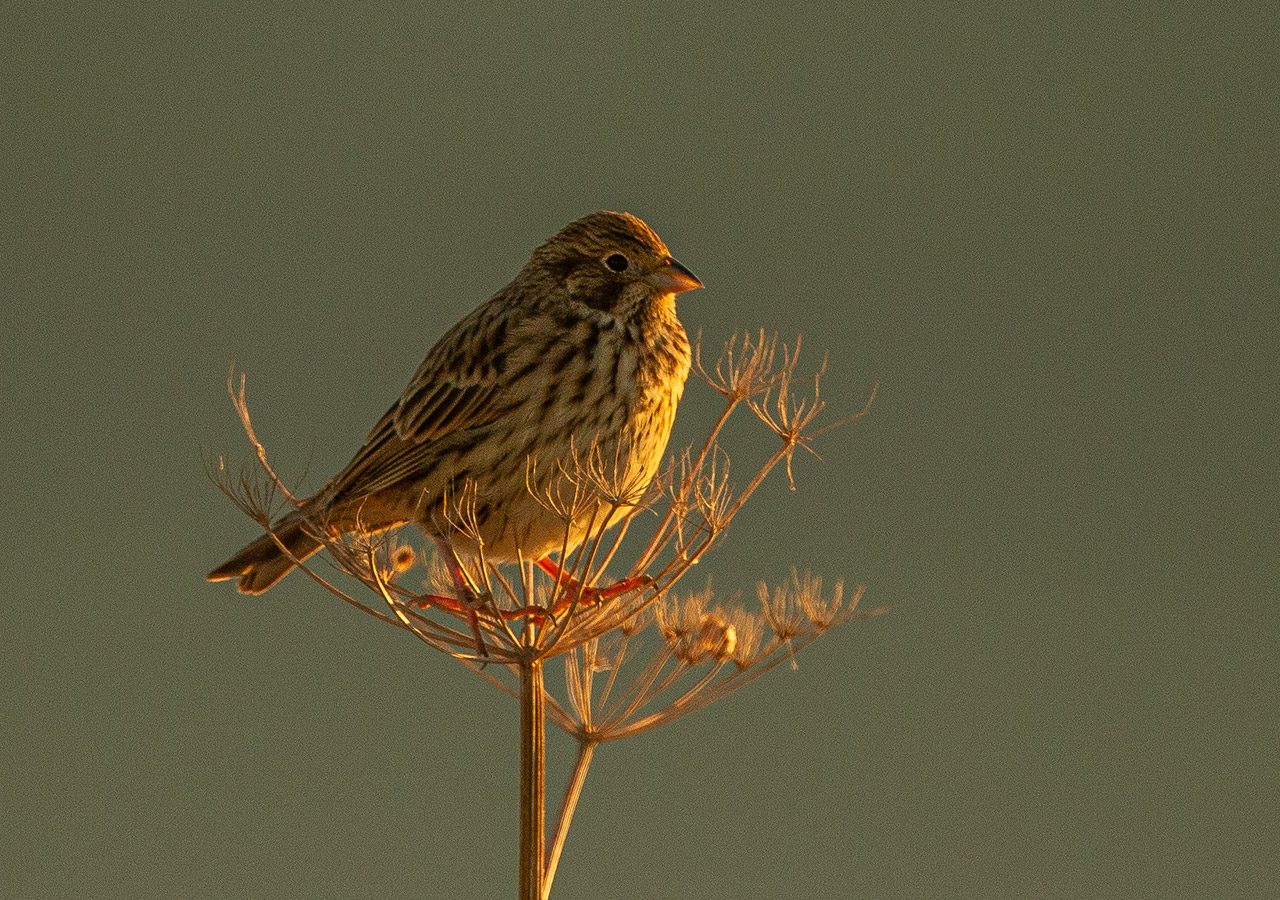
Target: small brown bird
column 583, row 349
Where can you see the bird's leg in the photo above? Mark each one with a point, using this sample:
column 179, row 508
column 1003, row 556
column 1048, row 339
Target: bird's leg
column 576, row 592
column 467, row 604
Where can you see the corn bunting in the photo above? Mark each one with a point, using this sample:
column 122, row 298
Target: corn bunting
column 583, row 349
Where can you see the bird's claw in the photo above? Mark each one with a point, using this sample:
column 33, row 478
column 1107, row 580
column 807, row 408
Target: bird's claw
column 573, row 593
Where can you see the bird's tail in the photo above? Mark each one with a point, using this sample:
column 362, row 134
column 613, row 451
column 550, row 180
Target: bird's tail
column 261, row 564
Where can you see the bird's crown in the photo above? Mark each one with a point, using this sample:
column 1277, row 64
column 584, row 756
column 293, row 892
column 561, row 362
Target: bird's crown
column 599, row 232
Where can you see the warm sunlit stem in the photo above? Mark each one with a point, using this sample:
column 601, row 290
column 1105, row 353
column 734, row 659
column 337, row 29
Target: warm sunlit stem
column 615, row 667
column 619, row 533
column 533, row 758
column 586, row 750
column 634, row 696
column 693, row 696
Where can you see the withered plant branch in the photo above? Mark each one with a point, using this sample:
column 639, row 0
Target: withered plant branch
column 240, row 402
column 572, row 793
column 705, row 692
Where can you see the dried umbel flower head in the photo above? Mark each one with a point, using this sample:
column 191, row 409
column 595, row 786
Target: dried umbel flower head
column 402, row 559
column 704, row 651
column 694, row 633
column 635, row 653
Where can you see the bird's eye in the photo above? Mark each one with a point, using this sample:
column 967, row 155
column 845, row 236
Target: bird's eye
column 616, row 262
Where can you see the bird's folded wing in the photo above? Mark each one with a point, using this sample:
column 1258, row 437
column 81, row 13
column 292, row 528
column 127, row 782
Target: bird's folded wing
column 459, row 385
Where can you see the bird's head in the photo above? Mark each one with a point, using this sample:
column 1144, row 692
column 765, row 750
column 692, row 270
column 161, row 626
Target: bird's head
column 612, row 262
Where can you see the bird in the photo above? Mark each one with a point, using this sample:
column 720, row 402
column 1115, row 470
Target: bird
column 583, row 349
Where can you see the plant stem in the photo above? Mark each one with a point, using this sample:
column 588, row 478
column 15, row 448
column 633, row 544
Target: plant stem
column 533, row 785
column 586, row 750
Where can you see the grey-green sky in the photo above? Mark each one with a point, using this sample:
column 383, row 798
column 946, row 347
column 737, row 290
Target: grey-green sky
column 1048, row 232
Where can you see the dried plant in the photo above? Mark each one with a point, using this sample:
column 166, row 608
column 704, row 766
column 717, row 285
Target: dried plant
column 635, row 653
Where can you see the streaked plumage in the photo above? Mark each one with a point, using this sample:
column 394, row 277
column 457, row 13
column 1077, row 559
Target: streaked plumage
column 582, row 349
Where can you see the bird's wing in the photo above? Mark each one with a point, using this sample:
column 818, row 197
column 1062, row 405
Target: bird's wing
column 458, row 386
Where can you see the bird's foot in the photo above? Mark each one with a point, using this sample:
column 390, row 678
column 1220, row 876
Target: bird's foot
column 575, row 592
column 469, row 608
column 572, row 592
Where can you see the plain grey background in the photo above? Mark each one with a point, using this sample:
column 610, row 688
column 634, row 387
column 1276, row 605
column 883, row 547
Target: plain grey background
column 1048, row 232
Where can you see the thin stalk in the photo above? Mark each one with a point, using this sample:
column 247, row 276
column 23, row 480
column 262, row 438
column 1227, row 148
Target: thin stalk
column 533, row 784
column 586, row 750
column 679, row 493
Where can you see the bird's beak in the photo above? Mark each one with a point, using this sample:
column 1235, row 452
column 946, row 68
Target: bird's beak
column 673, row 278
